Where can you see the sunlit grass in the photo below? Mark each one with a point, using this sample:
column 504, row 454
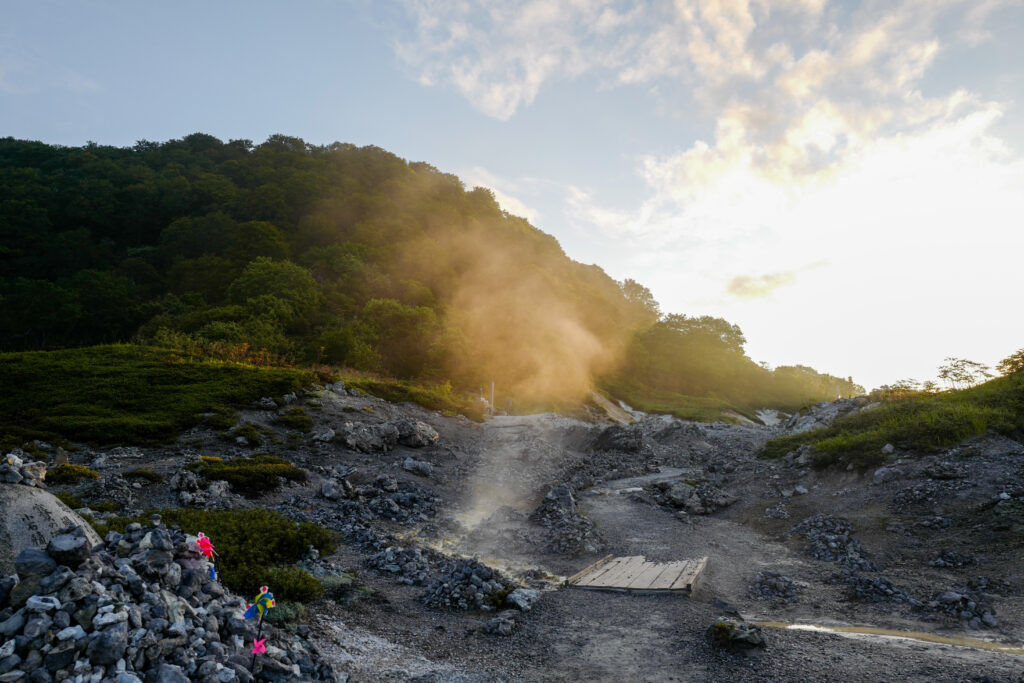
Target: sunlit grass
column 920, row 424
column 124, row 394
column 649, row 400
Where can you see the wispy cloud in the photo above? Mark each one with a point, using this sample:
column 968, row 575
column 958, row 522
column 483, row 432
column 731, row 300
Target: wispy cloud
column 759, row 287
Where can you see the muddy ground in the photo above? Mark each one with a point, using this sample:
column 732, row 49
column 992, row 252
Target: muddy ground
column 966, row 501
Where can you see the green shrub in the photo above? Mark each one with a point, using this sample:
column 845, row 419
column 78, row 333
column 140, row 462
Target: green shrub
column 284, row 613
column 293, row 583
column 69, row 499
column 295, row 418
column 253, row 546
column 344, row 587
column 249, row 476
column 248, row 431
column 143, row 473
column 921, row 423
column 127, row 394
column 70, row 474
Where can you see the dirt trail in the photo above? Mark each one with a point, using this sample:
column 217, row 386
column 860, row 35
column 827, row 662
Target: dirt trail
column 597, row 636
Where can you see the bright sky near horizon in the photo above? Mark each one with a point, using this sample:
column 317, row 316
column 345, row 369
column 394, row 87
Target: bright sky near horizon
column 844, row 180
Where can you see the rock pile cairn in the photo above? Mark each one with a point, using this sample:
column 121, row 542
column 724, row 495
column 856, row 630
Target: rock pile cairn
column 138, row 608
column 15, row 470
column 773, row 586
column 831, row 540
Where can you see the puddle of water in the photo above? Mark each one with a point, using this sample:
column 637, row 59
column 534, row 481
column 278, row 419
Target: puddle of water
column 978, row 644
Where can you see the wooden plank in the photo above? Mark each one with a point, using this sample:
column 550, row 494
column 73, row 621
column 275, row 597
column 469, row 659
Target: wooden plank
column 588, row 569
column 644, row 579
column 618, row 575
column 688, row 578
column 672, row 572
column 612, row 565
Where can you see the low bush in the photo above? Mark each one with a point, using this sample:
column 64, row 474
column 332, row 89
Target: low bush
column 250, row 432
column 127, row 394
column 144, row 473
column 921, row 423
column 70, row 474
column 249, row 476
column 256, row 547
column 295, row 418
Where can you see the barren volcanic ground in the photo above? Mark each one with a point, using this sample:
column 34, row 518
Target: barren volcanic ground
column 932, row 543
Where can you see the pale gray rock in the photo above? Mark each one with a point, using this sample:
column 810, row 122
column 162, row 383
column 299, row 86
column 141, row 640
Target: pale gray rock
column 31, row 518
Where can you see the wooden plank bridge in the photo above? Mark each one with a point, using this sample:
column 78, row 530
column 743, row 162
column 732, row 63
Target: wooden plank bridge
column 637, row 574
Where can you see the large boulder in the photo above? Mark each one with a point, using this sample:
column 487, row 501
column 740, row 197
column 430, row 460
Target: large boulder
column 31, row 518
column 414, row 433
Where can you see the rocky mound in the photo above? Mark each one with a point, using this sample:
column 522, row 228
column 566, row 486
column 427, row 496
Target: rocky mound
column 140, row 607
column 29, row 516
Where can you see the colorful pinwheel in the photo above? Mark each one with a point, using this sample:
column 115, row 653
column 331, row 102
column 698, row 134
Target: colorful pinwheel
column 260, row 604
column 206, row 549
column 259, row 607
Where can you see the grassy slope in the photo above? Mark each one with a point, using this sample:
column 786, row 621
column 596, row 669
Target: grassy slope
column 441, row 398
column 686, row 407
column 923, row 423
column 126, row 394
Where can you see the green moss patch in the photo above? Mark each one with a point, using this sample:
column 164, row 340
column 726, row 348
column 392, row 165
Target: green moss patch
column 127, row 394
column 70, row 474
column 249, row 476
column 295, row 418
column 922, row 424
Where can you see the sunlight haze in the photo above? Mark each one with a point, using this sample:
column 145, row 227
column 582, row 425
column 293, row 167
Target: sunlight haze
column 844, row 181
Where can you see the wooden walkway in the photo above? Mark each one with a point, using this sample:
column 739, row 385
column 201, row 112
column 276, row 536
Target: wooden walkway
column 637, row 574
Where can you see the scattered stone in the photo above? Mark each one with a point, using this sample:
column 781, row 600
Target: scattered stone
column 831, row 540
column 423, row 469
column 773, row 586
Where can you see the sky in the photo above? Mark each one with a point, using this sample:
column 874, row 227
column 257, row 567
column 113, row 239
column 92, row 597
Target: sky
column 843, row 180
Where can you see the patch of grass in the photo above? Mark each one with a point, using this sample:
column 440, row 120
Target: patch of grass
column 295, row 418
column 439, row 397
column 250, row 432
column 249, row 476
column 344, row 587
column 294, row 582
column 126, row 394
column 144, row 473
column 255, row 547
column 69, row 499
column 697, row 408
column 285, row 612
column 923, row 424
column 70, row 474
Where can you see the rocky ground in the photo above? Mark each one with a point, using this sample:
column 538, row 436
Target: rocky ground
column 462, row 534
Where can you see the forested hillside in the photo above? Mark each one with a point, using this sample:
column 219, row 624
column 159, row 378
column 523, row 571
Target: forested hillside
column 339, row 255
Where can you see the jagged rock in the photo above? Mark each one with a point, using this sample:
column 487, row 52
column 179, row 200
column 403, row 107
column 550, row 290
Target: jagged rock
column 424, row 469
column 324, row 436
column 332, row 489
column 34, row 562
column 265, row 403
column 70, row 549
column 523, row 598
column 732, row 633
column 501, row 625
column 29, row 518
column 368, row 438
column 184, row 480
column 414, row 433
